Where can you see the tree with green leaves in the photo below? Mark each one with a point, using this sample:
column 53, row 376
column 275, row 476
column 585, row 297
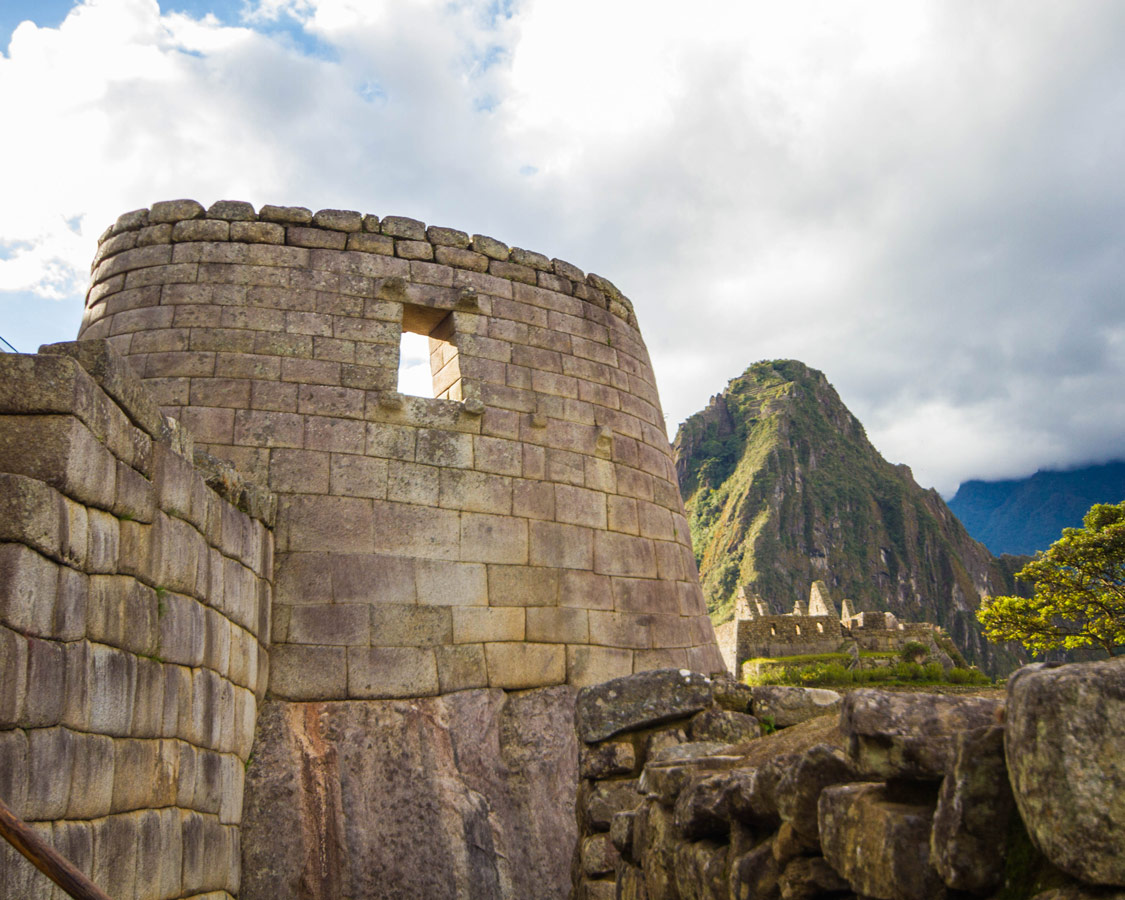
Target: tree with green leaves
column 1079, row 598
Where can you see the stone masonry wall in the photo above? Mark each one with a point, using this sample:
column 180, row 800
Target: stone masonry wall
column 134, row 621
column 524, row 529
column 894, row 796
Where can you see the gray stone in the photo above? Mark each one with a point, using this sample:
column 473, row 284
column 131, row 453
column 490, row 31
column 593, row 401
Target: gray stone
column 1065, row 733
column 403, row 227
column 724, row 726
column 701, row 870
column 598, row 855
column 798, row 790
column 810, row 876
column 339, row 220
column 910, row 735
column 968, row 843
column 604, row 800
column 175, row 211
column 703, row 807
column 754, row 874
column 639, row 701
column 786, row 706
column 340, row 796
column 879, row 846
column 610, row 758
column 232, row 211
column 732, row 695
column 287, row 215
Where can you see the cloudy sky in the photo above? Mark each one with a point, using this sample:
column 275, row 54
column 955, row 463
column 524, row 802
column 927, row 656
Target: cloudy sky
column 923, row 198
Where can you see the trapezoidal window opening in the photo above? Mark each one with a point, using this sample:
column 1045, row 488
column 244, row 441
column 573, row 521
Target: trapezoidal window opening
column 427, row 358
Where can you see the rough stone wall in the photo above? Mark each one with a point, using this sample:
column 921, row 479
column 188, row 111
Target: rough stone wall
column 134, row 622
column 878, row 794
column 787, row 636
column 525, row 531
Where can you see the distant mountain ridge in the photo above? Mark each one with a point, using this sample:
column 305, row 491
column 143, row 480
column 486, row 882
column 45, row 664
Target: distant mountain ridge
column 1024, row 515
column 782, row 488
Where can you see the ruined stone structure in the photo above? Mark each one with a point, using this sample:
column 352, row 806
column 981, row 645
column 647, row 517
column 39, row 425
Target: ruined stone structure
column 218, row 511
column 755, row 632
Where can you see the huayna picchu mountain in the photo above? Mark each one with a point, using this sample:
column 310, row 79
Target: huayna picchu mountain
column 783, row 488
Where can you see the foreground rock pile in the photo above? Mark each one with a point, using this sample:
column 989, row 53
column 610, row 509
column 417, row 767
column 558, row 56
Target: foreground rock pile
column 883, row 795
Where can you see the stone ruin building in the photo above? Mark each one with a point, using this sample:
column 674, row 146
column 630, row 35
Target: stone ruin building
column 268, row 627
column 815, row 627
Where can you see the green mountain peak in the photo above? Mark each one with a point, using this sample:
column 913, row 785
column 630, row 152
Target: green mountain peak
column 783, row 488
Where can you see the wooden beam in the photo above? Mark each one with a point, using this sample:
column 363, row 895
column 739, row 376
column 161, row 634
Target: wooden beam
column 45, row 858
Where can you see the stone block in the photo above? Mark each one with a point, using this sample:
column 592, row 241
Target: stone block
column 493, row 539
column 561, row 546
column 338, row 220
column 308, row 673
column 175, row 211
column 182, row 629
column 358, row 476
column 606, row 759
column 475, row 491
column 111, row 679
column 640, row 701
column 881, row 847
column 786, row 706
column 480, row 624
column 522, row 586
column 13, row 769
column 1065, row 727
column 336, row 524
column 585, row 590
column 589, row 665
column 139, row 780
column 287, row 215
column 32, row 513
column 517, row 666
column 412, row 483
column 533, row 499
column 410, row 626
column 558, row 625
column 50, row 764
column 444, row 583
column 402, row 529
column 46, row 684
column 28, row 585
column 909, row 735
column 622, row 554
column 391, row 672
column 403, row 227
column 91, row 780
column 461, row 667
column 614, row 629
column 334, row 625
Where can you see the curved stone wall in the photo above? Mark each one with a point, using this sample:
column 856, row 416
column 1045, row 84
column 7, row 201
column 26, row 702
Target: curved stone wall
column 524, row 529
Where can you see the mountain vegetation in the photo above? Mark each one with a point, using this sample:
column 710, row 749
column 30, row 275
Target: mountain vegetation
column 782, row 487
column 1028, row 514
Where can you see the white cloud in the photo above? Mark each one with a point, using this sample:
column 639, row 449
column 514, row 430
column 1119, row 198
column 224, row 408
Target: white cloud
column 921, row 198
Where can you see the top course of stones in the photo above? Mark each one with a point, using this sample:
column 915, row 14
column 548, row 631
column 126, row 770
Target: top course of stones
column 181, row 221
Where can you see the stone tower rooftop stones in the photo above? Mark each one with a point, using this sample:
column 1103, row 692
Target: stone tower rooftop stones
column 523, row 529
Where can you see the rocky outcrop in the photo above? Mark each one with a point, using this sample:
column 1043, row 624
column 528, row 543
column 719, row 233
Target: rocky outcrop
column 1066, row 730
column 783, row 488
column 899, row 797
column 467, row 795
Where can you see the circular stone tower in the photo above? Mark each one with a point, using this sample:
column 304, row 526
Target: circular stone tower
column 523, row 528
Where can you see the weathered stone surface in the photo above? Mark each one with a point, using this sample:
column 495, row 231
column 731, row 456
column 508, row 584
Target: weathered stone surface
column 798, row 789
column 1065, row 733
column 701, row 870
column 610, row 758
column 879, row 846
column 724, row 726
column 598, row 855
column 975, row 806
column 810, row 876
column 703, row 807
column 786, row 706
column 340, row 796
column 909, row 735
column 604, row 800
column 731, row 694
column 638, row 701
column 754, row 874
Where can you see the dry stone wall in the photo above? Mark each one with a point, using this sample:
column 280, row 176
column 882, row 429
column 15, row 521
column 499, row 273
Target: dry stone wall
column 895, row 796
column 524, row 529
column 134, row 622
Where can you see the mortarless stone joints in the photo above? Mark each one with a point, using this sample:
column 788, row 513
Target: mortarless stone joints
column 521, row 530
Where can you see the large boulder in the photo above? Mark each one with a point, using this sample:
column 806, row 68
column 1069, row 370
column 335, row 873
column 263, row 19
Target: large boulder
column 470, row 794
column 878, row 844
column 910, row 735
column 974, row 811
column 786, row 706
column 1064, row 747
column 640, row 700
column 799, row 788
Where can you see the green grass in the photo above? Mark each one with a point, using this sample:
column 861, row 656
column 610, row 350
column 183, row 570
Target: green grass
column 830, row 670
